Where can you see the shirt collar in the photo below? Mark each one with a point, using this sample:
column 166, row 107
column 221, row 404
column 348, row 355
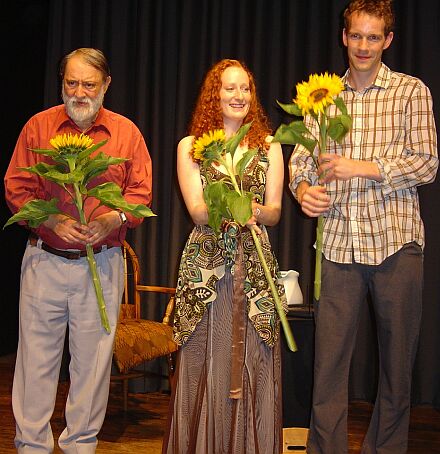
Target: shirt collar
column 102, row 121
column 382, row 80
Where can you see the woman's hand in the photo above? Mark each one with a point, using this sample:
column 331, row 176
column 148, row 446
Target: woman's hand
column 252, row 223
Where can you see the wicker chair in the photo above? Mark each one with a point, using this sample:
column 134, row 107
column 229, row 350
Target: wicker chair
column 138, row 340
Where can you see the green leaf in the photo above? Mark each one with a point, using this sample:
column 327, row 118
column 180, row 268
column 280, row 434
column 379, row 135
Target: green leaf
column 86, row 153
column 339, row 102
column 214, row 195
column 215, row 219
column 245, row 159
column 291, row 109
column 346, row 121
column 98, row 165
column 110, row 195
column 293, row 133
column 308, row 144
column 232, row 143
column 240, row 206
column 56, row 173
column 293, row 129
column 35, row 212
column 45, row 152
column 212, row 153
column 336, row 129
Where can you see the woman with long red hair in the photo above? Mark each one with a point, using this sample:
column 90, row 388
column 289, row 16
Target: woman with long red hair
column 226, row 394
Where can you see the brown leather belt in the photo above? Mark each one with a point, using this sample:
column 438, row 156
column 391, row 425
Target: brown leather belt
column 70, row 255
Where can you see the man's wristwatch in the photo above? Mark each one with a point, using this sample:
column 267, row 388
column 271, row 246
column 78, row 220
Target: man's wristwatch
column 122, row 217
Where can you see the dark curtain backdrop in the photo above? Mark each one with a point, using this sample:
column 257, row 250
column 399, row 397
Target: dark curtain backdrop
column 158, row 52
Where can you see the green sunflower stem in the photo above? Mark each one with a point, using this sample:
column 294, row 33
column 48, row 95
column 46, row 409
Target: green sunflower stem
column 98, row 288
column 79, row 204
column 320, row 224
column 284, row 323
column 318, row 258
column 286, row 327
column 231, row 175
column 92, row 265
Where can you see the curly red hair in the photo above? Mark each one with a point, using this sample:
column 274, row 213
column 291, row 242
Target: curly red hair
column 208, row 116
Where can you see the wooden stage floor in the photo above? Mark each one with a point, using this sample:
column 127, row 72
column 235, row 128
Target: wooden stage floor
column 141, row 429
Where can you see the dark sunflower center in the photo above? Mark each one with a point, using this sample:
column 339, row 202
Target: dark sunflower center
column 319, row 94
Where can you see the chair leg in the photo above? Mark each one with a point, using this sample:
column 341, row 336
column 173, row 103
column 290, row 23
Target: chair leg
column 125, row 392
column 170, row 361
column 171, row 367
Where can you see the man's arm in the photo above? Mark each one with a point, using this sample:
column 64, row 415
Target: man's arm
column 335, row 167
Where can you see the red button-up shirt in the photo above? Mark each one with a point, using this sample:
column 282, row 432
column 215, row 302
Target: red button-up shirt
column 124, row 140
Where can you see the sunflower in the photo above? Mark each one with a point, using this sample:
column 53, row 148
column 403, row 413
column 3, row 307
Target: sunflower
column 71, row 142
column 313, row 98
column 229, row 204
column 73, row 169
column 316, row 94
column 216, row 137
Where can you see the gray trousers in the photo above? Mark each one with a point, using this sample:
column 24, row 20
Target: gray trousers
column 395, row 287
column 56, row 293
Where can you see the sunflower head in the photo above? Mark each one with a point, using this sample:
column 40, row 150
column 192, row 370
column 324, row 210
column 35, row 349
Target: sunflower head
column 316, row 94
column 71, row 143
column 208, row 144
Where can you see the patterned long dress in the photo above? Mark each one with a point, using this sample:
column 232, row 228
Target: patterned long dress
column 226, row 395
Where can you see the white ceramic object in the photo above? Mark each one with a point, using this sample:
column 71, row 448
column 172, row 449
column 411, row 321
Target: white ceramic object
column 291, row 286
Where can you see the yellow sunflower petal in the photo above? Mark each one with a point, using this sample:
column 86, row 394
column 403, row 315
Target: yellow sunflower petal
column 205, row 141
column 318, row 92
column 71, row 141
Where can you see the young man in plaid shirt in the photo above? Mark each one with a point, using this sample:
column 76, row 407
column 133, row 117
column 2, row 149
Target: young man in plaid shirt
column 366, row 189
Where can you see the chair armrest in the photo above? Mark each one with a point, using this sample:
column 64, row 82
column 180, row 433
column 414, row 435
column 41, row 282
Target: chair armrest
column 167, row 319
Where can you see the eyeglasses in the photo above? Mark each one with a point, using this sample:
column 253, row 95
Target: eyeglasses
column 87, row 86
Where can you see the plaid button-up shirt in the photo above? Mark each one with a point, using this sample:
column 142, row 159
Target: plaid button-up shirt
column 393, row 126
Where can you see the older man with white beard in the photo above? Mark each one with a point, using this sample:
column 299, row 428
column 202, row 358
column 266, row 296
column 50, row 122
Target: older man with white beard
column 56, row 289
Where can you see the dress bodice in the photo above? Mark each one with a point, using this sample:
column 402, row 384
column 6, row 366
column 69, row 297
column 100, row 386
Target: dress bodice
column 203, row 265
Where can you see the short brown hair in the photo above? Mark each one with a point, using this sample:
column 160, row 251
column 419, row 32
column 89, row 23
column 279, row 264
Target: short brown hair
column 379, row 8
column 93, row 57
